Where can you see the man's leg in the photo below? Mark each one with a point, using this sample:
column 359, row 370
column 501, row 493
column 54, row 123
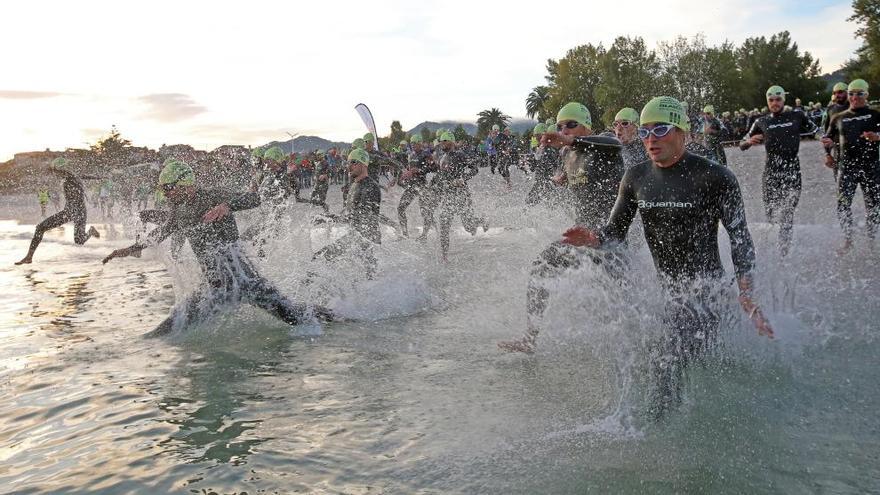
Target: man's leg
column 195, row 308
column 790, row 194
column 263, row 294
column 50, row 223
column 847, row 181
column 409, row 194
column 691, row 329
column 871, row 191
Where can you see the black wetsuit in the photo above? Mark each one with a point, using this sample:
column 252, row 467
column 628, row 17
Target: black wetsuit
column 417, row 186
column 319, row 193
column 229, row 274
column 74, row 211
column 859, row 165
column 545, row 164
column 782, row 171
column 713, row 140
column 450, row 184
column 593, row 168
column 681, row 207
column 364, row 198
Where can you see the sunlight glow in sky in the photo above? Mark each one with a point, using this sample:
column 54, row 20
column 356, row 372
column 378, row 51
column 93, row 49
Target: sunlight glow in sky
column 217, row 73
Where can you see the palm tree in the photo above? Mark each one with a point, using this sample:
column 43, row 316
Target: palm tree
column 487, row 118
column 535, row 100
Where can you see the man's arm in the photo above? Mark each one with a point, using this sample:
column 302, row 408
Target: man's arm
column 742, row 250
column 749, row 141
column 615, row 230
column 153, row 238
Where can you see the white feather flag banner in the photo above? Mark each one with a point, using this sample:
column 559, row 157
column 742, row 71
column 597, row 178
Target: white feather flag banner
column 367, row 117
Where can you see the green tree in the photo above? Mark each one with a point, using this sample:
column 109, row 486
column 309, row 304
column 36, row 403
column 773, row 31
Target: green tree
column 427, row 135
column 575, row 77
column 488, row 118
column 535, row 102
column 866, row 64
column 460, row 134
column 397, row 133
column 112, row 145
column 764, row 62
column 630, row 74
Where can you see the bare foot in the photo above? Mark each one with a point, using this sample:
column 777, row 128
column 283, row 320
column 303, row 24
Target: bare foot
column 525, row 345
column 25, row 261
column 94, row 232
column 844, row 248
column 485, row 225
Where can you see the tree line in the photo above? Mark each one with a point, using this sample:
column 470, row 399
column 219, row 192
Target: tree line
column 628, row 74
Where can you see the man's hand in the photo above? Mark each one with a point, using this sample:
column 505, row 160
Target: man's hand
column 559, row 179
column 580, row 236
column 756, row 139
column 827, row 142
column 556, row 139
column 829, row 161
column 871, row 136
column 761, row 323
column 122, row 253
column 216, row 213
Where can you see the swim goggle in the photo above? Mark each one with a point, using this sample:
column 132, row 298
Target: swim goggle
column 659, row 131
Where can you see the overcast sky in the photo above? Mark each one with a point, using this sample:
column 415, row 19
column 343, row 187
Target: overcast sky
column 249, row 72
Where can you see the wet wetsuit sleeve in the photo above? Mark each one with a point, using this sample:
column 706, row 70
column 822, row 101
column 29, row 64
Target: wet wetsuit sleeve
column 756, row 129
column 246, row 201
column 159, row 234
column 625, row 208
column 808, row 127
column 733, row 217
column 834, row 132
column 585, row 143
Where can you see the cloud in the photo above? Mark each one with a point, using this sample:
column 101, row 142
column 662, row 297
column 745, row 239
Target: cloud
column 170, row 107
column 27, row 95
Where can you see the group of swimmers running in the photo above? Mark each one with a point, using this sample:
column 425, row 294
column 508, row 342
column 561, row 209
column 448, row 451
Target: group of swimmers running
column 648, row 165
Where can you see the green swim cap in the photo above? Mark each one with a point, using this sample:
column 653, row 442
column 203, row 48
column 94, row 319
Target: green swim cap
column 359, row 144
column 59, row 162
column 665, row 110
column 447, row 136
column 359, row 155
column 274, row 153
column 439, row 132
column 257, row 152
column 415, row 138
column 539, row 129
column 576, row 112
column 628, row 114
column 404, row 142
column 775, row 91
column 858, row 85
column 368, row 137
column 496, row 127
column 176, row 172
column 709, row 109
column 841, row 86
column 550, row 122
column 725, row 114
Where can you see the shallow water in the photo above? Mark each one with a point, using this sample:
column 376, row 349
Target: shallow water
column 413, row 396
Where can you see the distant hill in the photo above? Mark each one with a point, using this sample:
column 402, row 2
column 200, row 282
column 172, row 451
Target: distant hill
column 306, row 143
column 517, row 125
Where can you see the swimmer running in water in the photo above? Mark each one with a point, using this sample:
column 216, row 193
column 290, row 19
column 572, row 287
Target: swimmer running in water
column 205, row 216
column 74, row 211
